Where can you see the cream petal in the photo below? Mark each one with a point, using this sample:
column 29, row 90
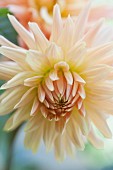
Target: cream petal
column 49, row 134
column 104, row 35
column 74, row 100
column 99, row 121
column 95, row 140
column 44, row 111
column 60, row 85
column 59, row 148
column 79, row 103
column 3, row 95
column 82, row 110
column 69, row 148
column 40, row 39
column 34, row 123
column 37, row 61
column 49, row 84
column 41, row 93
column 53, row 75
column 57, row 24
column 96, row 73
column 35, row 106
column 75, row 88
column 76, row 55
column 17, row 118
column 16, row 55
column 89, row 37
column 75, row 134
column 33, row 81
column 82, row 122
column 54, row 53
column 106, row 106
column 97, row 97
column 12, row 94
column 80, row 25
column 67, row 35
column 78, row 78
column 8, row 70
column 18, row 79
column 68, row 91
column 60, row 125
column 46, row 103
column 7, row 107
column 26, row 98
column 36, row 137
column 61, row 65
column 24, row 34
column 6, row 110
column 81, row 92
column 100, row 54
column 5, row 42
column 69, row 77
column 101, row 88
column 48, row 93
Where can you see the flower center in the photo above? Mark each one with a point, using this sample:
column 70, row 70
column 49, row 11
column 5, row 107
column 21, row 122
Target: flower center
column 58, row 97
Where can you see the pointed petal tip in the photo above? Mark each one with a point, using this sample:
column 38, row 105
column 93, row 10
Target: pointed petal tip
column 15, row 107
column 31, row 23
column 56, row 8
column 3, row 87
column 10, row 17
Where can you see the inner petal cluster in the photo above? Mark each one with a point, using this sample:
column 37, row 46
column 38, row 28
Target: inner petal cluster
column 59, row 94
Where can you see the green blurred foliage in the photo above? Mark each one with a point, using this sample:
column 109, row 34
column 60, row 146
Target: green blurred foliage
column 6, row 29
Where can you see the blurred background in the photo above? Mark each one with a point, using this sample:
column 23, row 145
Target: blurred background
column 13, row 155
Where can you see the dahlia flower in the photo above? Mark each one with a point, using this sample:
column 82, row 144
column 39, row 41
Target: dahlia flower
column 61, row 87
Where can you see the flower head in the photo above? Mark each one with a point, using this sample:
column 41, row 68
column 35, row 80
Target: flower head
column 62, row 87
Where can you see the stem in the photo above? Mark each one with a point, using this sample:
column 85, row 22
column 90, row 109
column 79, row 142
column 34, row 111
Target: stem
column 11, row 141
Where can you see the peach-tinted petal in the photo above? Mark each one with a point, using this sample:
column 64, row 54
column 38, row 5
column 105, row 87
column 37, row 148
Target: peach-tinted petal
column 22, row 32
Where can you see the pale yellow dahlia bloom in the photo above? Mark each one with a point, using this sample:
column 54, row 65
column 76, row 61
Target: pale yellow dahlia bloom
column 62, row 87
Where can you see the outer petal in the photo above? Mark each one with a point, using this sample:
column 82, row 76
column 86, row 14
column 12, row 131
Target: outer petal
column 89, row 37
column 24, row 34
column 95, row 140
column 54, row 54
column 67, row 35
column 14, row 97
column 99, row 120
column 57, row 24
column 41, row 40
column 17, row 118
column 80, row 25
column 100, row 55
column 18, row 79
column 37, row 61
column 49, row 135
column 8, row 70
column 76, row 55
column 5, row 42
column 16, row 55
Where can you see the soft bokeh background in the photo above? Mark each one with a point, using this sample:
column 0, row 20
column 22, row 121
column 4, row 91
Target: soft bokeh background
column 14, row 156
